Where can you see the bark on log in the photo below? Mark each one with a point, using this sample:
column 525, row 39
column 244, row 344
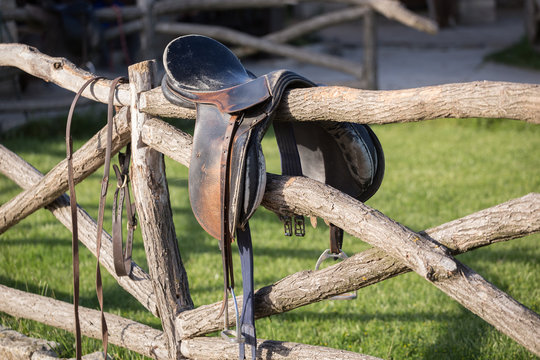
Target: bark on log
column 308, row 197
column 86, row 160
column 484, row 99
column 16, row 346
column 239, row 38
column 149, row 182
column 372, row 266
column 59, row 71
column 205, row 348
column 26, row 176
column 148, row 341
column 122, row 332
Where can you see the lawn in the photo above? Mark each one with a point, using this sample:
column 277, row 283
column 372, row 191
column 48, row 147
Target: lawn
column 436, row 171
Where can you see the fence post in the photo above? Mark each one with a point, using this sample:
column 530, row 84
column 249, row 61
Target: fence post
column 370, row 50
column 151, row 195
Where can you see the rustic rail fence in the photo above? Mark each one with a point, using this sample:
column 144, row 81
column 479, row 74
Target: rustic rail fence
column 150, row 17
column 164, row 291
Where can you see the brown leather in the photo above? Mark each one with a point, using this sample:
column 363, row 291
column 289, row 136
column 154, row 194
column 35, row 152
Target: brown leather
column 74, row 227
column 122, row 259
column 73, row 206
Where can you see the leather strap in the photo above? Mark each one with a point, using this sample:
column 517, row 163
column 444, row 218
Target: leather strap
column 73, row 206
column 74, row 226
column 336, row 239
column 291, row 166
column 247, row 320
column 122, row 258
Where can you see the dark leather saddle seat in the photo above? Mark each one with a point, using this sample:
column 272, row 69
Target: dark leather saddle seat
column 227, row 174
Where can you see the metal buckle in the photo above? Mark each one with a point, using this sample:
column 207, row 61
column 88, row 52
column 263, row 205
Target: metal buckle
column 287, row 225
column 299, row 226
column 327, row 254
column 229, row 334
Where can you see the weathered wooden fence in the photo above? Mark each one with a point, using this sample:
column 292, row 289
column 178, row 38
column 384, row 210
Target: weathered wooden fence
column 164, row 291
column 151, row 17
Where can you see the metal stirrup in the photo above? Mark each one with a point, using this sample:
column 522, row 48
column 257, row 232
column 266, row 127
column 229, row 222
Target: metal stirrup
column 327, row 254
column 229, row 334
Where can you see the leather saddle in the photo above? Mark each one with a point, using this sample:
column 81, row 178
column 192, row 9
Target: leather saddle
column 227, row 175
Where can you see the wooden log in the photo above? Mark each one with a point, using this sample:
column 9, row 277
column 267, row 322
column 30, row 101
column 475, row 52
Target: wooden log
column 308, row 197
column 369, row 267
column 308, row 26
column 239, row 38
column 207, row 348
column 122, row 332
column 26, row 176
column 370, row 51
column 483, row 99
column 59, row 71
column 148, row 341
column 86, row 160
column 149, row 182
column 14, row 345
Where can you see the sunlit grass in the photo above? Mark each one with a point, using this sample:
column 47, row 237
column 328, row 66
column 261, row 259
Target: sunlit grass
column 436, row 171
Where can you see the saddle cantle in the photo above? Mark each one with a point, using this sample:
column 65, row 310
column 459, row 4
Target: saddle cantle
column 227, row 174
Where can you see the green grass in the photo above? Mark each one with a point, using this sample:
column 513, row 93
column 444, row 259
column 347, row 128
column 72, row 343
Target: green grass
column 436, row 171
column 521, row 54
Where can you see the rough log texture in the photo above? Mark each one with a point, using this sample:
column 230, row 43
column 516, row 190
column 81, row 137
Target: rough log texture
column 206, row 348
column 373, row 265
column 239, row 38
column 59, row 71
column 122, row 332
column 485, row 99
column 148, row 341
column 151, row 194
column 416, row 251
column 86, row 160
column 26, row 176
column 334, row 103
column 16, row 346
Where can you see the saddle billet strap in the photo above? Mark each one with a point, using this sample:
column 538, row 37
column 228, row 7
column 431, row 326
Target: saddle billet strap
column 74, row 223
column 291, row 166
column 247, row 320
column 122, row 258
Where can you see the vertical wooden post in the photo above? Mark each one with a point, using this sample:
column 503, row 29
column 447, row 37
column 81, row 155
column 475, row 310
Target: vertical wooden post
column 151, row 195
column 370, row 50
column 147, row 32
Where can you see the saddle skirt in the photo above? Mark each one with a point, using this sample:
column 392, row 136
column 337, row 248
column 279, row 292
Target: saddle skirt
column 227, row 174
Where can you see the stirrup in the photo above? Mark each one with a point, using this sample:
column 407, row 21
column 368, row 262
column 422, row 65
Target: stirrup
column 327, row 254
column 229, row 334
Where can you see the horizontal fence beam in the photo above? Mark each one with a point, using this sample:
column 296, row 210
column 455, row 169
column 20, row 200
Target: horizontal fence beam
column 484, row 99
